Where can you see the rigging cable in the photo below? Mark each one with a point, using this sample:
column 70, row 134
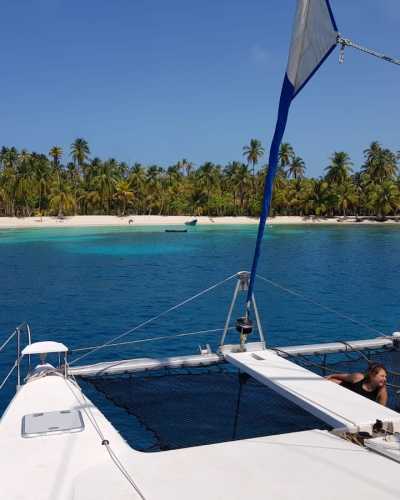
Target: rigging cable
column 345, row 42
column 154, row 318
column 322, row 306
column 8, row 374
column 153, row 339
column 8, row 340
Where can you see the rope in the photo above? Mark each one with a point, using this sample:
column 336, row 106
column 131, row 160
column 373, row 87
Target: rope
column 92, row 419
column 345, row 42
column 153, row 339
column 322, row 306
column 154, row 318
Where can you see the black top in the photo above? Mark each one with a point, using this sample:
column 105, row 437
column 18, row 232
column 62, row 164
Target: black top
column 358, row 388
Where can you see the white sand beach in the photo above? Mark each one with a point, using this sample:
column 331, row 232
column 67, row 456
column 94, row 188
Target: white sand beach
column 157, row 220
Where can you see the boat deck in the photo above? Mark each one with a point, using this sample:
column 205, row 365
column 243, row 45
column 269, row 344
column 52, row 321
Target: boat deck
column 328, row 401
column 74, row 465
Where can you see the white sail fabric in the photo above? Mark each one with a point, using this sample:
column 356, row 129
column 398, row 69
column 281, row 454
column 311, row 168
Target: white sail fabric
column 314, row 37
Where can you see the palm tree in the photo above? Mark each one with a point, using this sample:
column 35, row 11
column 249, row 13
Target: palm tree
column 319, row 199
column 91, row 200
column 186, row 166
column 41, row 172
column 105, row 181
column 346, row 197
column 56, row 153
column 80, row 152
column 384, row 198
column 286, row 156
column 90, row 171
column 137, row 182
column 3, row 201
column 24, row 184
column 24, row 156
column 154, row 189
column 61, row 198
column 338, row 171
column 241, row 180
column 206, row 176
column 372, row 151
column 253, row 153
column 123, row 194
column 380, row 164
column 8, row 157
column 296, row 168
column 173, row 174
column 230, row 181
column 8, row 180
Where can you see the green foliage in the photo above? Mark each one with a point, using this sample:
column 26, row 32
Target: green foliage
column 34, row 183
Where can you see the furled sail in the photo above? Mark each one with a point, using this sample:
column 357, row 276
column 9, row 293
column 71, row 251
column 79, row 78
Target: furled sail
column 314, row 37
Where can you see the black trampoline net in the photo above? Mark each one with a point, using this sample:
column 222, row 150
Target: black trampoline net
column 182, row 408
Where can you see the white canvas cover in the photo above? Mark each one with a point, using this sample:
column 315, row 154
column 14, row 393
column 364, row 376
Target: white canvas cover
column 45, row 347
column 314, row 36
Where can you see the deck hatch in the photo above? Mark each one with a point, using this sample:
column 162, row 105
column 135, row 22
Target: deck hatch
column 51, row 422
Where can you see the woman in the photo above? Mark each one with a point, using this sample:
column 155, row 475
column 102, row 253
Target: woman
column 371, row 384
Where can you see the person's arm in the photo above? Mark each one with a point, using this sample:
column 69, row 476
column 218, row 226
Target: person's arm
column 382, row 397
column 338, row 378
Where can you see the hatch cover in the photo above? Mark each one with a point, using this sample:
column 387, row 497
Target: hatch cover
column 52, row 422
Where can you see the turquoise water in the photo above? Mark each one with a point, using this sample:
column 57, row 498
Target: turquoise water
column 83, row 286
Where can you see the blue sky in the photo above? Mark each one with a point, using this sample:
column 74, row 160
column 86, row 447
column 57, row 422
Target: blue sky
column 156, row 81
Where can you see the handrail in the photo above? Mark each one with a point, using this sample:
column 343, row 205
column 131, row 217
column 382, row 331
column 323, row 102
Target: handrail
column 17, row 333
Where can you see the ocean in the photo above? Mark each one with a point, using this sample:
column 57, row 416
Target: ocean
column 84, row 286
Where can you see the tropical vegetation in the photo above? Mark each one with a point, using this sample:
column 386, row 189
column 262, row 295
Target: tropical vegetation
column 43, row 184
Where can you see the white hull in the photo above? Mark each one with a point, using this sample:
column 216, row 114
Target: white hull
column 76, row 465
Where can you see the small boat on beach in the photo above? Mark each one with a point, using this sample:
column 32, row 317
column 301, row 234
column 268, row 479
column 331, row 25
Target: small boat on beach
column 191, row 222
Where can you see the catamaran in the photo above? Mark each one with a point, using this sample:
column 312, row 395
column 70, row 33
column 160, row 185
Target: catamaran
column 57, row 444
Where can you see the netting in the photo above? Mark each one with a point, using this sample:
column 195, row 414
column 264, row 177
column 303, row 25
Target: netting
column 197, row 407
column 183, row 408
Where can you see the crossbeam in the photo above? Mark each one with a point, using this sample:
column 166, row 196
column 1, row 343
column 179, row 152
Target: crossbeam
column 143, row 365
column 336, row 347
column 136, row 365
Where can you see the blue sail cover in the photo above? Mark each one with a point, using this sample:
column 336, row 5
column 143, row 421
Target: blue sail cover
column 314, row 38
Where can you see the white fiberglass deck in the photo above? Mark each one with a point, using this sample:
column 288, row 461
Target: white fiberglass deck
column 333, row 404
column 46, row 467
column 311, row 464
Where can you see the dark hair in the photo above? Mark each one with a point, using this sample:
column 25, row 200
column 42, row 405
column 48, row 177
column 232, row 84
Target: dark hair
column 373, row 369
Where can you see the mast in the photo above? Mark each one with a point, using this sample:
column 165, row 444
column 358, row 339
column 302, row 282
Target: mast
column 315, row 36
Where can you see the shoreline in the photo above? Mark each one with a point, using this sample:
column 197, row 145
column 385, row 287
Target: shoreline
column 159, row 220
